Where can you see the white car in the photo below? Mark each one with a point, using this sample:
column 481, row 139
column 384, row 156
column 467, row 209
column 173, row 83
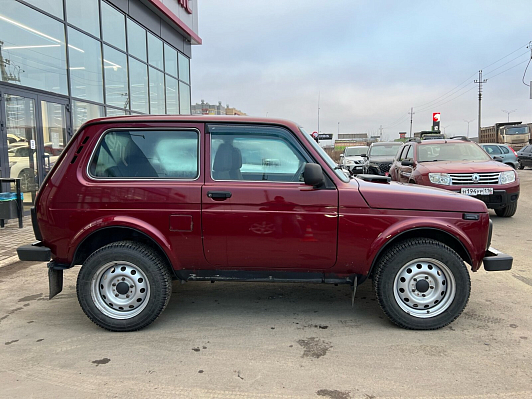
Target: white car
column 353, row 158
column 19, row 164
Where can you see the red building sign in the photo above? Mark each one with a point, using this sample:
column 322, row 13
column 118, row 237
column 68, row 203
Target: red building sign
column 186, row 5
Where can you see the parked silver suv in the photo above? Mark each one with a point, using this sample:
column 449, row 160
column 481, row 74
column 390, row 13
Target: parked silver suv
column 504, row 151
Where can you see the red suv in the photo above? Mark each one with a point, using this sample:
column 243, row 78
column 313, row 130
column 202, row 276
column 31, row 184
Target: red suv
column 460, row 166
column 143, row 200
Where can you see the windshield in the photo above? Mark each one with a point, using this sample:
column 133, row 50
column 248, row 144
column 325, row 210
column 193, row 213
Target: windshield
column 459, row 151
column 384, row 150
column 352, row 151
column 325, row 157
column 517, row 130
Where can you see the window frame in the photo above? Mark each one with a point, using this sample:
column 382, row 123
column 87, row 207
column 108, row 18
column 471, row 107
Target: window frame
column 143, row 179
column 288, row 136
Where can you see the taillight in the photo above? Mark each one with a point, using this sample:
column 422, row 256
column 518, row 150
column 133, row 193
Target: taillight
column 515, row 153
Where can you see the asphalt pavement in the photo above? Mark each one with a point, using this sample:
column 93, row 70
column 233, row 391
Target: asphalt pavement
column 247, row 340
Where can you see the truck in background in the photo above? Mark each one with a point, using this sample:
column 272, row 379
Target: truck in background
column 514, row 134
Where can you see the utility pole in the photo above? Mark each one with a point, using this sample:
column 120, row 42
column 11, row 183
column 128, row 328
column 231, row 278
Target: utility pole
column 380, row 132
column 318, row 112
column 338, row 129
column 509, row 112
column 480, row 81
column 468, row 122
column 412, row 113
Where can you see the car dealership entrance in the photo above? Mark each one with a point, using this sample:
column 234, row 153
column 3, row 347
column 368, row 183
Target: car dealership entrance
column 36, row 128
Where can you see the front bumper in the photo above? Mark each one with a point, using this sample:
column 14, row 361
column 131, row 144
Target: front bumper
column 495, row 260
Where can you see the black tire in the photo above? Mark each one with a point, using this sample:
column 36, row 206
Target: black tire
column 507, row 211
column 447, row 288
column 520, row 166
column 119, row 266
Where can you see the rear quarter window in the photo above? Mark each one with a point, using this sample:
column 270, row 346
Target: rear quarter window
column 153, row 154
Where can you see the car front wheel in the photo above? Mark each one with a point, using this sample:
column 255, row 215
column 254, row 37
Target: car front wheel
column 422, row 284
column 508, row 211
column 124, row 286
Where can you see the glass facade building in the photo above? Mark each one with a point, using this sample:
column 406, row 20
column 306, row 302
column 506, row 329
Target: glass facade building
column 63, row 62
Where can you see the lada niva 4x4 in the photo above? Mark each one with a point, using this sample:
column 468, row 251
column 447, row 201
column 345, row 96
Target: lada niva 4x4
column 143, row 200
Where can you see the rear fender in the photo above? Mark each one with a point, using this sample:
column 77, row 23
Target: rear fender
column 126, row 222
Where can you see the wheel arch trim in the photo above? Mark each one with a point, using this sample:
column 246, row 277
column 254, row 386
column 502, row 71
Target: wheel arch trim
column 127, row 223
column 465, row 253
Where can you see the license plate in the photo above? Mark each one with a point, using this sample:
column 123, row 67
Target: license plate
column 477, row 191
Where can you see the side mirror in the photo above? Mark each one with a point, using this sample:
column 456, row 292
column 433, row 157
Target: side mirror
column 313, row 175
column 341, row 156
column 407, row 163
column 498, row 159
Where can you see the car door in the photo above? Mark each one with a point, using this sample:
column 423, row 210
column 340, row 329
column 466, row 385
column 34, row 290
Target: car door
column 526, row 156
column 396, row 164
column 405, row 171
column 256, row 210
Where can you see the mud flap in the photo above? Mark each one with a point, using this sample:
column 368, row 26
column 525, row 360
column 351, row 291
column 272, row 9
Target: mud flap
column 55, row 281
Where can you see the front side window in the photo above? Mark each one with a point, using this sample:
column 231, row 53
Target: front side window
column 254, row 154
column 164, row 154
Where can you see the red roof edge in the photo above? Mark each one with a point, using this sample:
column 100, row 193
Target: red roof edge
column 166, row 11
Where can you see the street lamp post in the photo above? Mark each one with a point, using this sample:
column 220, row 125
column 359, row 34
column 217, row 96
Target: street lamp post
column 468, row 122
column 509, row 112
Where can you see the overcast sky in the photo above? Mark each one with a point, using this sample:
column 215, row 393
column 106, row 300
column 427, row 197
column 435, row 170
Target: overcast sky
column 367, row 61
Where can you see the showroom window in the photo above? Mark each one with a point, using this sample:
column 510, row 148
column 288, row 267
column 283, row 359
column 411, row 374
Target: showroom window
column 138, row 76
column 184, row 68
column 156, row 92
column 113, row 26
column 172, row 96
column 136, row 40
column 85, row 66
column 82, row 112
column 33, row 48
column 116, row 82
column 85, row 15
column 155, row 51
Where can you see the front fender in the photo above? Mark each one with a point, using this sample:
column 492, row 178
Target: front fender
column 394, row 232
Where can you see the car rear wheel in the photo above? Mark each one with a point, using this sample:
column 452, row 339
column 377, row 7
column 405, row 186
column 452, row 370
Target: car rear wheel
column 124, row 286
column 507, row 211
column 422, row 284
column 520, row 165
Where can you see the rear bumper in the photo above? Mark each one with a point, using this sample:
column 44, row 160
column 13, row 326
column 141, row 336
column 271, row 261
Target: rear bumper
column 495, row 260
column 34, row 252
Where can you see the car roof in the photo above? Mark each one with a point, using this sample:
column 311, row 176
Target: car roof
column 505, row 145
column 442, row 141
column 387, row 143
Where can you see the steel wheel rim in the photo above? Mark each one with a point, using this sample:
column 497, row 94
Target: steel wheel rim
column 109, row 285
column 424, row 288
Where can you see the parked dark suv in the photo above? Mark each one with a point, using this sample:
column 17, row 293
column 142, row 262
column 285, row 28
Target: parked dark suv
column 140, row 201
column 380, row 158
